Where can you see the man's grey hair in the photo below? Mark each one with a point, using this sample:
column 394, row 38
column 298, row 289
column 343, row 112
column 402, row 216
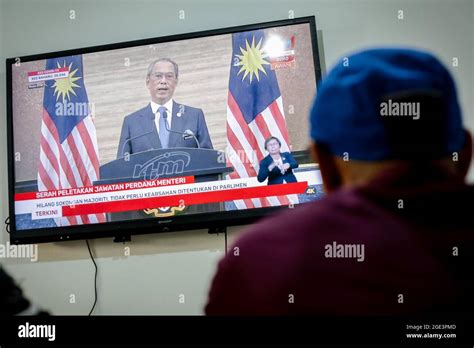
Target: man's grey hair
column 152, row 64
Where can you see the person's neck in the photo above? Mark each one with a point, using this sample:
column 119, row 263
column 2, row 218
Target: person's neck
column 160, row 102
column 360, row 173
column 275, row 155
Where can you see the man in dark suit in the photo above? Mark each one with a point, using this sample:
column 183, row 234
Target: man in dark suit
column 161, row 123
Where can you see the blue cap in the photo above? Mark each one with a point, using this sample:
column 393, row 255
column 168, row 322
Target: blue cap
column 358, row 97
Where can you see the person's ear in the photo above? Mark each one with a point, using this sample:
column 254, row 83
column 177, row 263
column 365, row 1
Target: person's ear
column 465, row 155
column 332, row 179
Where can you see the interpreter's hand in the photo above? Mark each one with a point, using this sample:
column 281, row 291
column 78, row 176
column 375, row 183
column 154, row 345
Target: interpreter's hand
column 281, row 166
column 286, row 166
column 271, row 166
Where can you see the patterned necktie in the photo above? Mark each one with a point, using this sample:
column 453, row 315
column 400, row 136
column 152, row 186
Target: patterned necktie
column 164, row 133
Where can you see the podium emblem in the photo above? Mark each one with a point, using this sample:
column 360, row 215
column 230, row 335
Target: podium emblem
column 164, row 211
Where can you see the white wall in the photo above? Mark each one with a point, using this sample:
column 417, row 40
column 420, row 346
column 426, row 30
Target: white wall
column 161, row 267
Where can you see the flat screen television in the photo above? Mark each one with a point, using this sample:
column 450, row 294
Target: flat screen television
column 199, row 130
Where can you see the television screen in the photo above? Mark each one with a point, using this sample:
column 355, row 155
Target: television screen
column 207, row 129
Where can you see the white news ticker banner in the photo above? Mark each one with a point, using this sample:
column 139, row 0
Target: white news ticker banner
column 45, row 208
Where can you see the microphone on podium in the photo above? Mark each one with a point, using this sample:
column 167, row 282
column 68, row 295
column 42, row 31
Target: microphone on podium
column 133, row 138
column 187, row 134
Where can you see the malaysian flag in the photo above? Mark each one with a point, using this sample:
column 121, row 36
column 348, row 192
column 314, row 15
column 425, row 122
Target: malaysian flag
column 254, row 113
column 68, row 145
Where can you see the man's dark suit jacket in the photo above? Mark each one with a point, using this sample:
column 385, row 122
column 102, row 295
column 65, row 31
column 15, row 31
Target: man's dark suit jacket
column 142, row 122
column 274, row 176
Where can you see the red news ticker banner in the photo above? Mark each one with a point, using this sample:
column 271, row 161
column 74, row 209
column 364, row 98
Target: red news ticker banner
column 45, row 72
column 104, row 188
column 186, row 199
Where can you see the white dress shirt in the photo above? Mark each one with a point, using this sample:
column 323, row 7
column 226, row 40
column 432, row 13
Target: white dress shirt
column 169, row 110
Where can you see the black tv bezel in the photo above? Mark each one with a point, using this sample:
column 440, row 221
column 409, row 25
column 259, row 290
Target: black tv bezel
column 122, row 230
